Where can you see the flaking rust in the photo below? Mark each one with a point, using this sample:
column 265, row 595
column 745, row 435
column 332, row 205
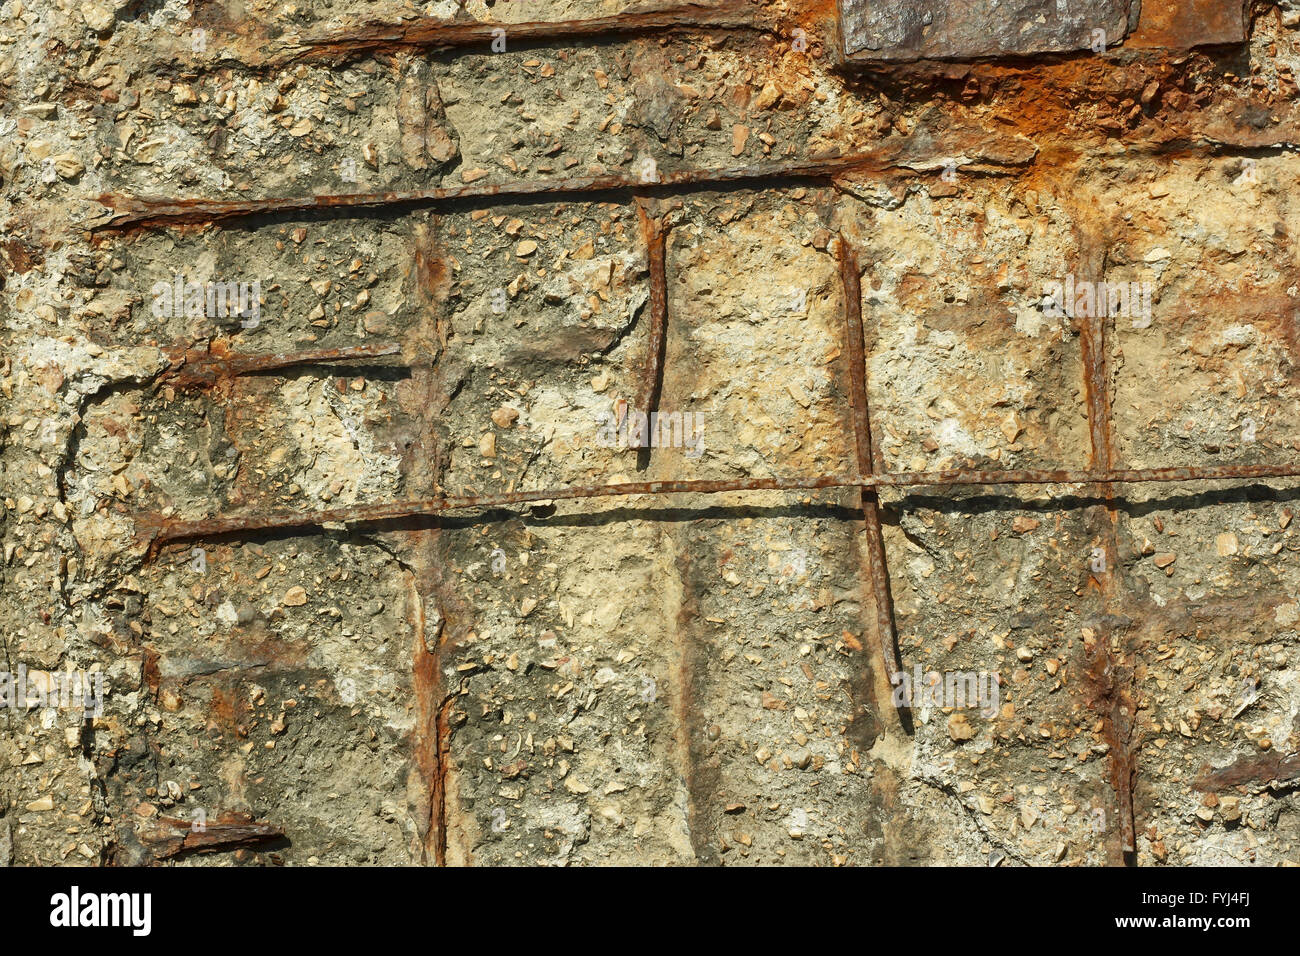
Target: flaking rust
column 231, row 830
column 1110, row 686
column 1267, row 771
column 429, row 33
column 203, row 368
column 957, row 70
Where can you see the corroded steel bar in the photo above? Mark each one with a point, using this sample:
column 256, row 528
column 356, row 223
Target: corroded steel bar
column 429, row 33
column 1118, row 719
column 852, row 284
column 1255, row 773
column 171, row 837
column 886, row 631
column 652, row 383
column 197, row 368
column 165, row 529
column 134, row 211
column 1097, row 388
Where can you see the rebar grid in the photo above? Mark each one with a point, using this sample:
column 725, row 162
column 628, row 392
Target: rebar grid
column 867, row 477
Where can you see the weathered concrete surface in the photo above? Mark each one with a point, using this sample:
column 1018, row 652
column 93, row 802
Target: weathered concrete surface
column 686, row 679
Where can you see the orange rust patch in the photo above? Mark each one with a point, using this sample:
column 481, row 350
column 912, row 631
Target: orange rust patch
column 1183, row 24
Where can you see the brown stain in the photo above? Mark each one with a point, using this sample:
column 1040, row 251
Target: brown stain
column 1245, row 620
column 226, row 706
column 428, row 740
column 247, row 402
column 899, row 843
column 21, row 257
column 151, row 672
column 257, row 644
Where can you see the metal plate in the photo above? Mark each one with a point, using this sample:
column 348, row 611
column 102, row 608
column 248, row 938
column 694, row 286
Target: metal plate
column 902, row 30
column 1183, row 24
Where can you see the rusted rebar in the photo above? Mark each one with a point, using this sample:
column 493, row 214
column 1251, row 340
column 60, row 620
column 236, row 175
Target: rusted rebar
column 162, row 529
column 135, row 212
column 1257, row 772
column 1096, row 377
column 232, row 830
column 1118, row 715
column 654, row 233
column 429, row 33
column 868, row 460
column 196, row 368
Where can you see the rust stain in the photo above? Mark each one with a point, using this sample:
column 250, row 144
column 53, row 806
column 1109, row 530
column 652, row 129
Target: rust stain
column 1183, row 24
column 433, row 637
column 420, row 466
column 1039, row 101
column 429, row 738
column 1096, row 362
column 21, row 257
column 1107, row 671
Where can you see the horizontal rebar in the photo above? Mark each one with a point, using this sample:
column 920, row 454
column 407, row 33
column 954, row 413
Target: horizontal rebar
column 430, row 33
column 193, row 367
column 134, row 212
column 179, row 530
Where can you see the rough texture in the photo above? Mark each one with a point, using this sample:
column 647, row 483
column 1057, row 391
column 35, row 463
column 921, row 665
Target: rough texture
column 580, row 220
column 966, row 29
